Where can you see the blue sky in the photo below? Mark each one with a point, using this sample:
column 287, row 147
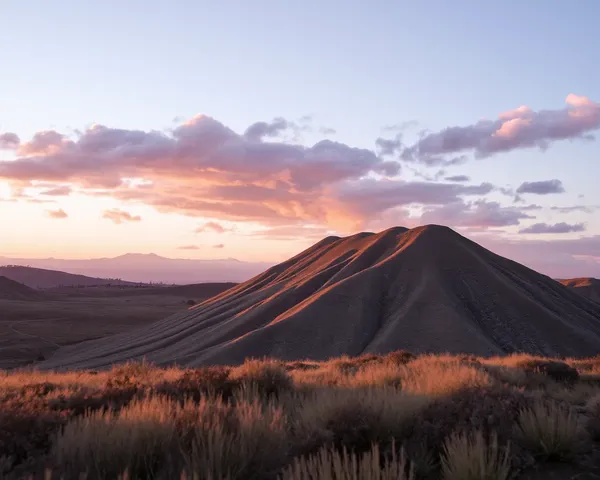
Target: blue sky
column 352, row 66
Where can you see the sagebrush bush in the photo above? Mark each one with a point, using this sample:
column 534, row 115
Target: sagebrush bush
column 251, row 441
column 268, row 376
column 468, row 456
column 557, row 371
column 331, row 464
column 138, row 438
column 355, row 418
column 195, row 383
column 549, row 430
column 430, row 375
column 492, row 412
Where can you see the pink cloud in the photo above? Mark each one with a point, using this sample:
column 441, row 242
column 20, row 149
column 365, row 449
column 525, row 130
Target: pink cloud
column 519, row 128
column 9, row 141
column 219, row 245
column 479, row 214
column 58, row 191
column 188, row 247
column 561, row 227
column 119, row 216
column 57, row 214
column 211, row 227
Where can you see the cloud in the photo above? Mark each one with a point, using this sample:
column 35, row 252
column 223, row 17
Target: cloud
column 212, row 227
column 327, row 131
column 119, row 216
column 293, row 232
column 574, row 208
column 59, row 191
column 204, row 169
column 477, row 214
column 558, row 258
column 514, row 129
column 9, row 141
column 219, row 245
column 530, row 207
column 259, row 130
column 388, row 146
column 556, row 228
column 201, row 168
column 57, row 214
column 543, row 187
column 188, row 247
column 369, row 196
column 458, row 178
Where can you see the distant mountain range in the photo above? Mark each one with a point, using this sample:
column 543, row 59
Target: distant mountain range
column 146, row 268
column 32, row 277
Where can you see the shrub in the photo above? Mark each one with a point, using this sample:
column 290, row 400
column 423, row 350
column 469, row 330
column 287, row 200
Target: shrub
column 429, row 375
column 492, row 412
column 26, row 431
column 136, row 439
column 467, row 456
column 557, row 371
column 191, row 303
column 199, row 382
column 399, row 357
column 267, row 376
column 355, row 418
column 242, row 442
column 593, row 422
column 158, row 437
column 131, row 374
column 548, row 430
column 330, row 464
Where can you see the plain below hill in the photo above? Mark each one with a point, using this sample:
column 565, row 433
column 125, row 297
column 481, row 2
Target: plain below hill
column 427, row 289
column 11, row 290
column 42, row 278
column 589, row 287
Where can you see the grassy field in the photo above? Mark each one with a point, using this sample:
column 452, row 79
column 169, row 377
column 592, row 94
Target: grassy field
column 30, row 329
column 372, row 417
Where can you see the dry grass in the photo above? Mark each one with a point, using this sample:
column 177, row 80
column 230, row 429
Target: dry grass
column 468, row 456
column 365, row 417
column 549, row 430
column 330, row 464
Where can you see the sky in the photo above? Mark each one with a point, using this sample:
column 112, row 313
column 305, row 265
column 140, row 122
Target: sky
column 197, row 129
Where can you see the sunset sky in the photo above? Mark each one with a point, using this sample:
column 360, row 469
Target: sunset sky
column 200, row 129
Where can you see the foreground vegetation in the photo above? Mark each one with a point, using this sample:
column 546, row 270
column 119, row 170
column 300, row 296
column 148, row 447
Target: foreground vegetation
column 372, row 417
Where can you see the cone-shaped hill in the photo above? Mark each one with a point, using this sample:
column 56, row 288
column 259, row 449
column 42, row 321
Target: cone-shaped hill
column 11, row 290
column 427, row 289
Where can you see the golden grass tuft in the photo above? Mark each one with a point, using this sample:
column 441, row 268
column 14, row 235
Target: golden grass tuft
column 331, row 464
column 549, row 430
column 468, row 456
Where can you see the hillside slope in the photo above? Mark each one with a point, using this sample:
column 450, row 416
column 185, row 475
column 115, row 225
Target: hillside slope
column 42, row 278
column 589, row 287
column 425, row 290
column 11, row 290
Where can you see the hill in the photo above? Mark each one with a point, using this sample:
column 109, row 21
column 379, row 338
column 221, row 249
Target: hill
column 427, row 289
column 11, row 290
column 589, row 287
column 42, row 278
column 150, row 268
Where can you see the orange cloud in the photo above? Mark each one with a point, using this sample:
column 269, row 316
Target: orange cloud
column 119, row 216
column 57, row 214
